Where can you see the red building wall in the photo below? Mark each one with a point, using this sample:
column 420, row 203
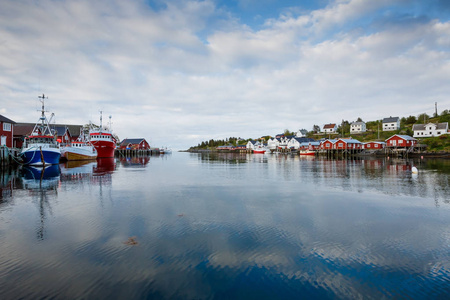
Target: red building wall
column 327, row 145
column 397, row 141
column 7, row 133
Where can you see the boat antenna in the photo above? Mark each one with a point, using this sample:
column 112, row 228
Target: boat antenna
column 101, row 118
column 44, row 127
column 42, row 98
column 110, row 122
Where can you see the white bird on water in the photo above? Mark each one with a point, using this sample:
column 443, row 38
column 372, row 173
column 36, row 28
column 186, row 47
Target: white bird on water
column 414, row 170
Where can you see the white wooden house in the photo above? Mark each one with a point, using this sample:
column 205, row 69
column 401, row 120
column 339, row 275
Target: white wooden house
column 358, row 127
column 296, row 142
column 391, row 124
column 430, row 129
column 301, row 133
column 252, row 145
column 329, row 128
column 273, row 143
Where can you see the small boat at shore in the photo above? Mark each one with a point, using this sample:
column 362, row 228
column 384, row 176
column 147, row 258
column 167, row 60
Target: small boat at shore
column 307, row 152
column 165, row 150
column 261, row 150
column 41, row 148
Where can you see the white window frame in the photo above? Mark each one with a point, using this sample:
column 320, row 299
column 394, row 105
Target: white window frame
column 7, row 126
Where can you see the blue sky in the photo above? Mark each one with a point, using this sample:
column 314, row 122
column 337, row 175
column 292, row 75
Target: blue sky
column 180, row 72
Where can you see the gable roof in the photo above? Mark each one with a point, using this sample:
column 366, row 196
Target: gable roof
column 390, row 119
column 358, row 123
column 328, row 140
column 6, row 120
column 304, row 139
column 329, row 126
column 374, row 142
column 350, row 141
column 405, row 137
column 22, row 129
column 26, row 128
column 135, row 141
column 439, row 126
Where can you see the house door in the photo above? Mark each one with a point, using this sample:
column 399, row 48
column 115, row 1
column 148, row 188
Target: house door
column 3, row 141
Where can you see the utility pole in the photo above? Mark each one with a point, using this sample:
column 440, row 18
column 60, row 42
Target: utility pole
column 435, row 107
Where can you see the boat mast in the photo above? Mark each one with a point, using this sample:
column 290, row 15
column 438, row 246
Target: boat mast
column 44, row 127
column 101, row 118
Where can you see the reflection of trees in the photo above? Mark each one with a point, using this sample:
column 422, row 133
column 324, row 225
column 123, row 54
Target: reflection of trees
column 229, row 158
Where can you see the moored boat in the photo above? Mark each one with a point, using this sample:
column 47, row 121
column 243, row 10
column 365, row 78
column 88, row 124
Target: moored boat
column 165, row 150
column 261, row 150
column 41, row 148
column 307, row 152
column 81, row 149
column 103, row 140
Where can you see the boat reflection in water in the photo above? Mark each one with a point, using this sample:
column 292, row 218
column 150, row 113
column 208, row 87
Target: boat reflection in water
column 42, row 183
column 47, row 177
column 105, row 166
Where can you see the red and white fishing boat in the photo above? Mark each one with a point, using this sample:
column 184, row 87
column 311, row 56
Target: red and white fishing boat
column 261, row 150
column 103, row 140
column 307, row 152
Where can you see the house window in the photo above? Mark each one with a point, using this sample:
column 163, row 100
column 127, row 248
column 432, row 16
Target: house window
column 6, row 127
column 400, row 141
column 438, row 132
column 393, row 143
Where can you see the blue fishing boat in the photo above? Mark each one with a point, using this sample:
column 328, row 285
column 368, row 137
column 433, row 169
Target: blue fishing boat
column 41, row 148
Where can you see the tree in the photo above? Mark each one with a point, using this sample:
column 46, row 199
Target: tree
column 287, row 132
column 316, row 129
column 359, row 120
column 445, row 116
column 423, row 118
column 344, row 128
column 410, row 120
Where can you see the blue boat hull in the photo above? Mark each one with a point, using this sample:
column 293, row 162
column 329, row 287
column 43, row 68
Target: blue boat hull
column 40, row 173
column 33, row 157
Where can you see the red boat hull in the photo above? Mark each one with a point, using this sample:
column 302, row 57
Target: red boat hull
column 104, row 148
column 309, row 153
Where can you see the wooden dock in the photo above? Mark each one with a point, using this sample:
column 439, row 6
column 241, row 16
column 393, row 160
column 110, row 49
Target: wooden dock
column 136, row 152
column 6, row 156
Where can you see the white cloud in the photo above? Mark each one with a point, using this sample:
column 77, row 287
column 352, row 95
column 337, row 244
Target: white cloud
column 188, row 70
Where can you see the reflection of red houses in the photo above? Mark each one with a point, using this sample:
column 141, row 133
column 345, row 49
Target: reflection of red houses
column 401, row 141
column 135, row 161
column 135, row 144
column 6, row 132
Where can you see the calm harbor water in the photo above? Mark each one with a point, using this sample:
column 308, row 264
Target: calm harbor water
column 229, row 226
